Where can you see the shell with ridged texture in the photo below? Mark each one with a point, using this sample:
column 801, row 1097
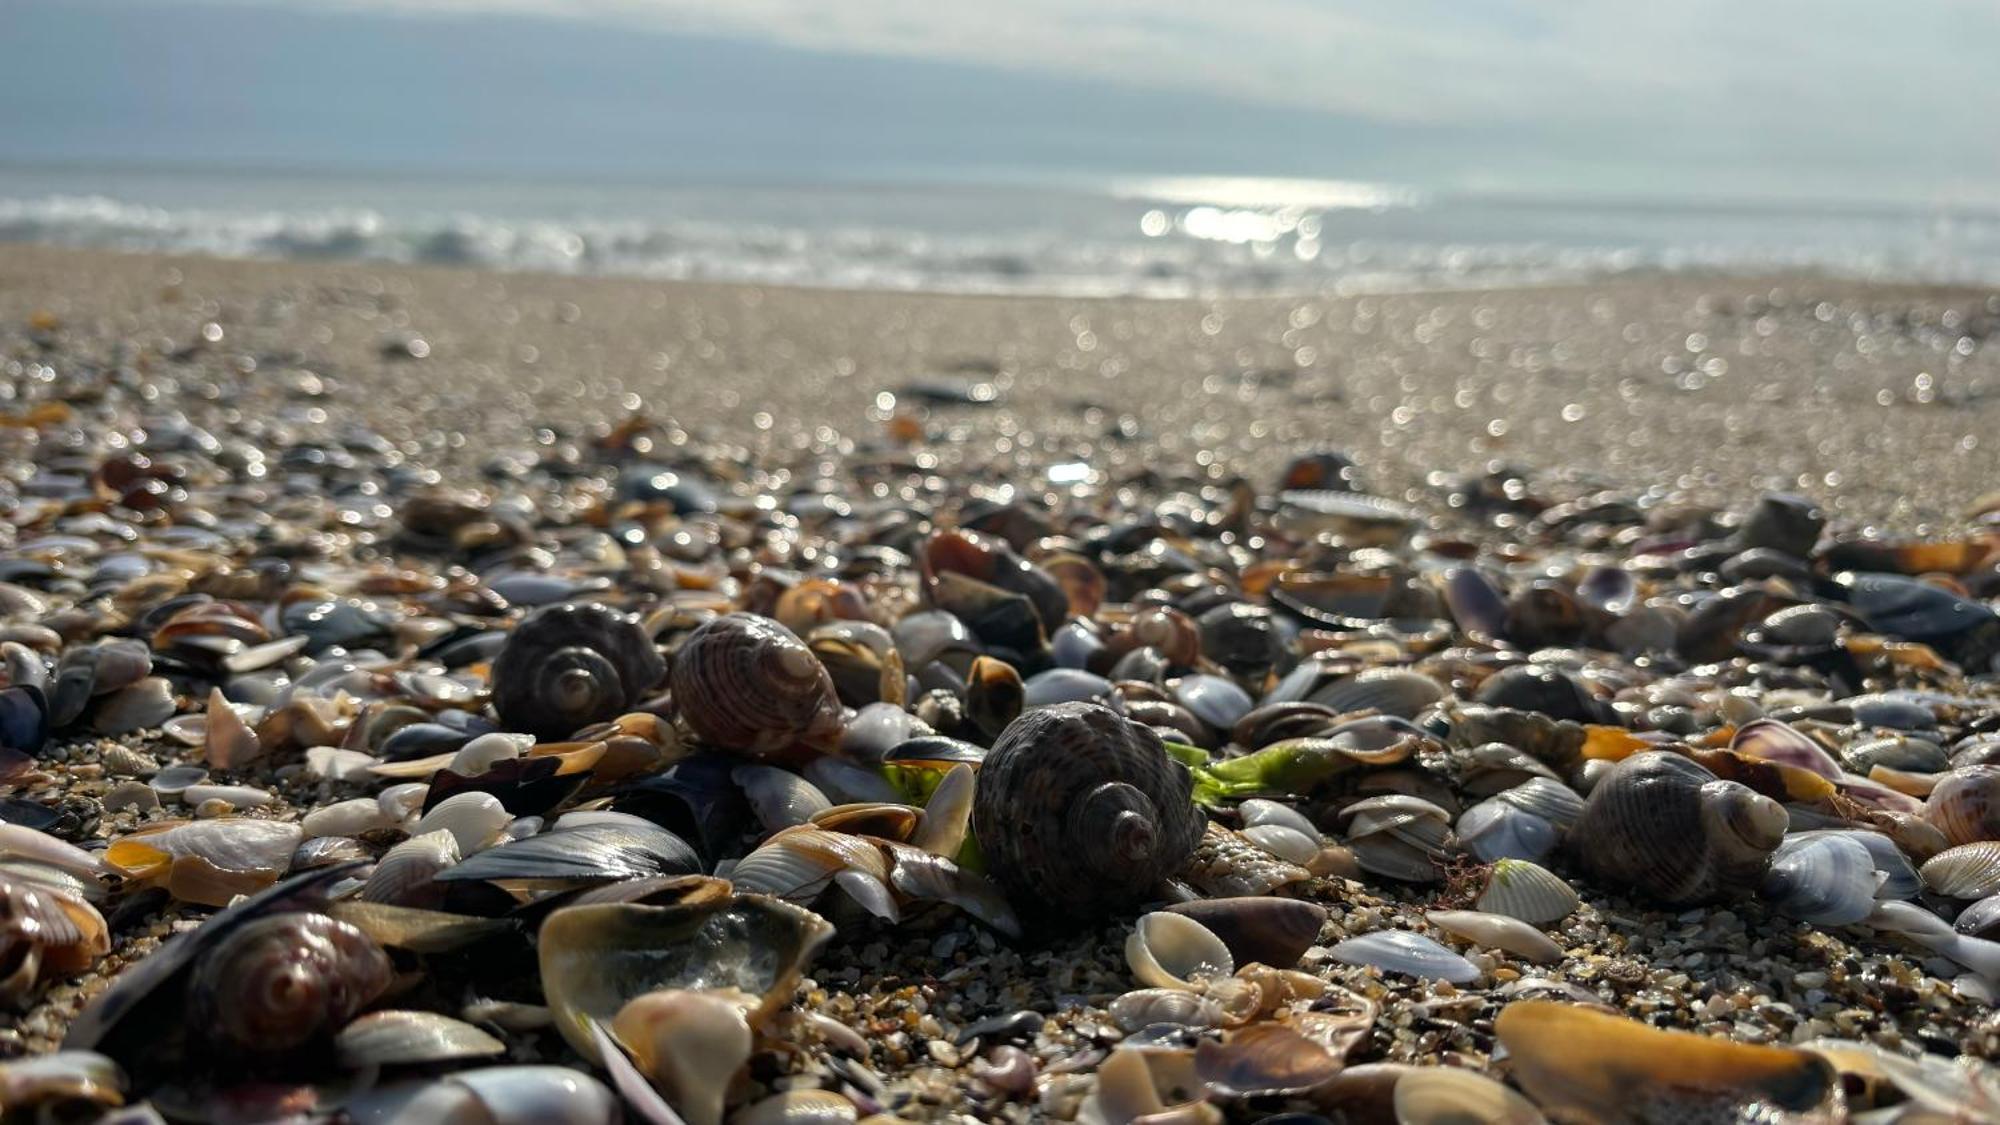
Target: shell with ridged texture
column 749, row 685
column 1081, row 811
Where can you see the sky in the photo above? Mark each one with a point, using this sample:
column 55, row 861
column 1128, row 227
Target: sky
column 1832, row 99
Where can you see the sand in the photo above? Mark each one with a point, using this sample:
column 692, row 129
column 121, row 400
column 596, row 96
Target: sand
column 1881, row 401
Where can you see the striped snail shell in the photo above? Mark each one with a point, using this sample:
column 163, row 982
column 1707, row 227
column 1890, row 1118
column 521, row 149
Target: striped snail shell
column 1663, row 825
column 280, row 982
column 748, row 684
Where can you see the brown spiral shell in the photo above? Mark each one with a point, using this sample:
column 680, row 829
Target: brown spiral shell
column 1081, row 811
column 1664, row 826
column 748, row 684
column 567, row 666
column 281, row 982
column 1965, row 806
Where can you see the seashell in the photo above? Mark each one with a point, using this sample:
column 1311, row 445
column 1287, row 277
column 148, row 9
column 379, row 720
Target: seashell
column 407, row 874
column 1547, row 798
column 176, row 780
column 581, row 852
column 1981, row 919
column 1243, row 638
column 1398, row 951
column 24, row 718
column 749, row 685
column 1257, row 810
column 595, row 957
column 208, row 862
column 277, row 983
column 1498, row 931
column 1965, row 872
column 94, row 670
column 1168, row 950
column 22, row 843
column 948, row 814
column 1389, row 691
column 234, row 796
column 1528, row 891
column 994, row 695
column 56, row 1081
column 1965, row 804
column 1899, row 752
column 44, row 932
column 1066, row 685
column 1587, row 1065
column 1213, row 699
column 346, row 818
column 1174, row 1007
column 227, row 740
column 1895, row 877
column 1003, row 598
column 1448, row 1095
column 1495, row 829
column 474, row 820
column 325, row 851
column 405, row 1038
column 1916, row 1087
column 1284, row 842
column 494, row 1095
column 691, row 1044
column 1544, row 690
column 567, row 666
column 1357, row 517
column 1130, row 1091
column 1259, row 929
column 1264, row 1058
column 1082, row 811
column 780, row 797
column 489, row 750
column 1661, row 824
column 1960, row 628
column 1320, row 469
column 1827, row 880
column 147, row 703
column 824, row 1107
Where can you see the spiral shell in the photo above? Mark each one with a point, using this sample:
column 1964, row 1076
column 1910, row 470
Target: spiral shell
column 44, row 932
column 749, row 685
column 1081, row 811
column 280, row 982
column 1661, row 824
column 568, row 666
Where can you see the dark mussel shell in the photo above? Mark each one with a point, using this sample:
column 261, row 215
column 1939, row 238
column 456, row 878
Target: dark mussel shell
column 591, row 853
column 568, row 666
column 697, row 799
column 24, row 719
column 524, row 786
column 1963, row 629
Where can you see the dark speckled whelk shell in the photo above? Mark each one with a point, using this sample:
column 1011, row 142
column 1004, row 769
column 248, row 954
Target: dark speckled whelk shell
column 749, row 685
column 1081, row 812
column 1663, row 826
column 567, row 666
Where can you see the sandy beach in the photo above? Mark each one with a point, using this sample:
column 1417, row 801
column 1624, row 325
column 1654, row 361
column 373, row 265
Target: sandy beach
column 1882, row 402
column 388, row 479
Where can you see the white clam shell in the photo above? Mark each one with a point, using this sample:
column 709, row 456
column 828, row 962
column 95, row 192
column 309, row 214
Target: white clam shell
column 488, row 750
column 1547, row 798
column 1495, row 829
column 1829, row 881
column 474, row 820
column 779, row 797
column 346, row 818
column 1966, row 871
column 1498, row 931
column 410, row 866
column 1399, row 951
column 1145, row 1007
column 1528, row 891
column 948, row 814
column 401, row 802
column 1174, row 951
column 1258, row 811
column 1283, row 841
column 1447, row 1095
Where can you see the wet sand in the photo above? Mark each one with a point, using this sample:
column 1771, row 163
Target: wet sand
column 1881, row 401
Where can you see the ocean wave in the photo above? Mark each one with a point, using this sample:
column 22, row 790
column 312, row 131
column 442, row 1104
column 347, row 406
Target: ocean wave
column 1158, row 238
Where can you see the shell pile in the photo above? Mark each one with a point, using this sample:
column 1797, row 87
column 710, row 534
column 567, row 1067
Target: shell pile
column 637, row 777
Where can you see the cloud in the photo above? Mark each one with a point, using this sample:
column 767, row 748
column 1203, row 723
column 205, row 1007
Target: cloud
column 1542, row 63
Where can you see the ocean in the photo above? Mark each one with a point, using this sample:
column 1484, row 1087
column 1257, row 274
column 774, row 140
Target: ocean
column 1081, row 235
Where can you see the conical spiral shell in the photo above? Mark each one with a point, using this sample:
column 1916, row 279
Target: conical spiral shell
column 749, row 685
column 567, row 666
column 1082, row 811
column 1662, row 825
